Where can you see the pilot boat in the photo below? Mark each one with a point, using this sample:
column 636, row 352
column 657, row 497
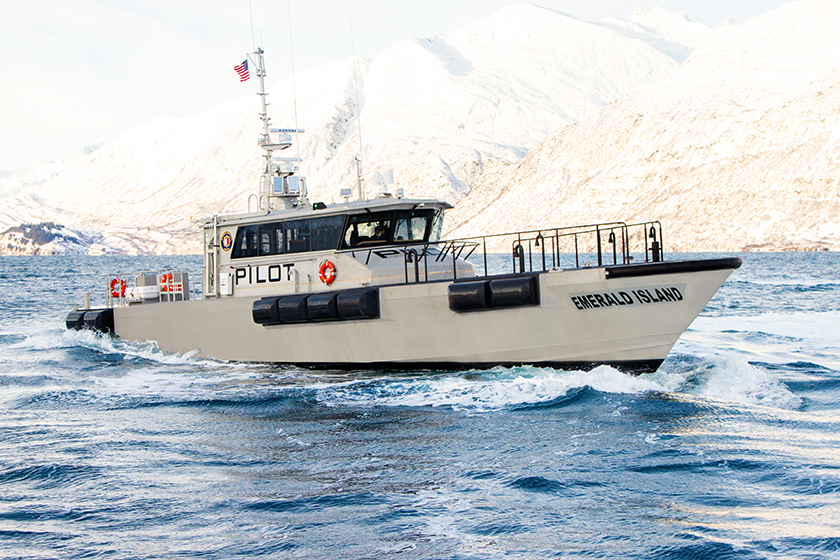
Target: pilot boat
column 369, row 284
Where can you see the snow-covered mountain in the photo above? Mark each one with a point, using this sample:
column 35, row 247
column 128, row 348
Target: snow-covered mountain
column 47, row 238
column 442, row 112
column 738, row 149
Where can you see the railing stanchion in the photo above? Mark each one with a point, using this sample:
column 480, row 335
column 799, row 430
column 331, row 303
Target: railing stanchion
column 598, row 235
column 530, row 258
column 625, row 245
column 484, row 241
column 454, row 263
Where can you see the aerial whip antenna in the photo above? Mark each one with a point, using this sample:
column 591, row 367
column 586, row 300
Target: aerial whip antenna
column 253, row 37
column 360, row 180
column 294, row 82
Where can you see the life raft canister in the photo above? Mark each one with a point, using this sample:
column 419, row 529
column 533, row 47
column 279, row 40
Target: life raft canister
column 327, row 272
column 117, row 287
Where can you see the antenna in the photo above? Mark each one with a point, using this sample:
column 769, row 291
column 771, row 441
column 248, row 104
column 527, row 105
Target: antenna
column 294, row 82
column 251, row 13
column 360, row 180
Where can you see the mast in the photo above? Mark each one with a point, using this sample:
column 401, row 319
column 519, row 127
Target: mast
column 278, row 179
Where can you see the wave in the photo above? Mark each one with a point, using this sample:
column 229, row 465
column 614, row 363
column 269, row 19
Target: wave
column 729, row 378
column 797, row 282
column 768, row 337
column 489, row 390
column 823, row 326
column 86, row 339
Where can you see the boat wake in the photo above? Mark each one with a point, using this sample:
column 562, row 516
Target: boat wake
column 115, row 369
column 728, row 378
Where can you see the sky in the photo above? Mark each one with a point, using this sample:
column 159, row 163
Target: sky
column 77, row 73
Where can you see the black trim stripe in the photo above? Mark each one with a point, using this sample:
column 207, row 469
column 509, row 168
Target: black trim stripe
column 634, row 367
column 671, row 267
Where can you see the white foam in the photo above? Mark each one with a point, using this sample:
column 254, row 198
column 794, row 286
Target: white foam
column 496, row 389
column 52, row 338
column 730, row 377
column 151, row 372
column 723, row 377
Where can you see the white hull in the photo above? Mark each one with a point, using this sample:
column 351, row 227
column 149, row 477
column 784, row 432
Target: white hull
column 417, row 329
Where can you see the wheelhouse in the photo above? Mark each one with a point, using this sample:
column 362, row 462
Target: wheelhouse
column 363, row 229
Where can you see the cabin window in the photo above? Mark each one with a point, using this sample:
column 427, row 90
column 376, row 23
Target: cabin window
column 297, row 236
column 271, row 239
column 246, row 243
column 293, row 236
column 437, row 227
column 364, row 230
column 279, row 243
column 265, row 241
column 326, row 232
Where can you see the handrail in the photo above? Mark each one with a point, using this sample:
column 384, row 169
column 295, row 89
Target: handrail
column 605, row 242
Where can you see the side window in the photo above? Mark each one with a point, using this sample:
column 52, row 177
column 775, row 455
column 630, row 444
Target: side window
column 279, row 239
column 326, row 232
column 245, row 244
column 297, row 236
column 266, row 239
column 271, row 239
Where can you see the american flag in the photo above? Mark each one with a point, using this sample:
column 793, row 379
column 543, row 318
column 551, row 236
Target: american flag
column 242, row 70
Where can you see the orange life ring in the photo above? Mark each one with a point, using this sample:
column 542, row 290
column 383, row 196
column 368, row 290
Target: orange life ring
column 117, row 287
column 166, row 283
column 327, row 272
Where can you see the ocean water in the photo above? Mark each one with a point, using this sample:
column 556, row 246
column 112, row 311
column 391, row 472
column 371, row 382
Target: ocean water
column 110, row 449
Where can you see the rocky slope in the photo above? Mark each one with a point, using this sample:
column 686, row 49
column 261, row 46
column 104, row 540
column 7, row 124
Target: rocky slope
column 739, row 149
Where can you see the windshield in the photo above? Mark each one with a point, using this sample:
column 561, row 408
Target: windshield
column 364, row 230
column 382, row 228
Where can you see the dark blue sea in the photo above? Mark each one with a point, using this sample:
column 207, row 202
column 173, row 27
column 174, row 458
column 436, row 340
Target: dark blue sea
column 111, row 449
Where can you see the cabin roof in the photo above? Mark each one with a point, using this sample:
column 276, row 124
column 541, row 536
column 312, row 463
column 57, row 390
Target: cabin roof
column 354, row 207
